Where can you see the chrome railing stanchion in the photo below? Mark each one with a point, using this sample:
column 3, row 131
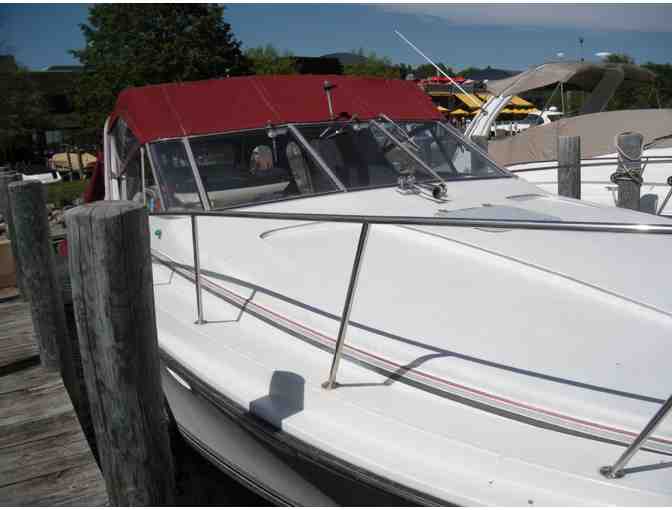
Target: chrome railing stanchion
column 347, row 307
column 197, row 270
column 616, row 471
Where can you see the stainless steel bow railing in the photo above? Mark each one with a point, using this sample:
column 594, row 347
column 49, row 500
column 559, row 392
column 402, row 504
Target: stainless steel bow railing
column 617, row 470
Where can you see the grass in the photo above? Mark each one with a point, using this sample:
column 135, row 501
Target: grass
column 64, row 193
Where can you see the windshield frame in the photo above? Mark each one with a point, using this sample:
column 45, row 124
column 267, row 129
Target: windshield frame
column 294, row 129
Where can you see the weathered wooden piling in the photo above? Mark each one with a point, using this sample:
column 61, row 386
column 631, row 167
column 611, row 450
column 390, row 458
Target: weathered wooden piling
column 628, row 176
column 35, row 257
column 6, row 178
column 569, row 166
column 110, row 269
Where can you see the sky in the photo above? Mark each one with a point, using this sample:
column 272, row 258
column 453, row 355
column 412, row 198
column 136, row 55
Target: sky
column 509, row 36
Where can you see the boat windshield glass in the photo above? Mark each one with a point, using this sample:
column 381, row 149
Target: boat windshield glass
column 363, row 154
column 256, row 166
column 269, row 164
column 375, row 153
column 447, row 153
column 175, row 176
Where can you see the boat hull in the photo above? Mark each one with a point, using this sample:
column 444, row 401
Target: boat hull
column 281, row 469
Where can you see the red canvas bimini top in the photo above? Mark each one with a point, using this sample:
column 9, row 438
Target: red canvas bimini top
column 231, row 104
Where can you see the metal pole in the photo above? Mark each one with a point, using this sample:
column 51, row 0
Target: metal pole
column 205, row 199
column 142, row 175
column 667, row 198
column 197, row 270
column 616, row 471
column 354, row 276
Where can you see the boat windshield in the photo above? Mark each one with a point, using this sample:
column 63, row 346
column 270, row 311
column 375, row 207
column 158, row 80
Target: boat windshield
column 264, row 165
column 249, row 167
column 365, row 154
column 447, row 153
column 375, row 153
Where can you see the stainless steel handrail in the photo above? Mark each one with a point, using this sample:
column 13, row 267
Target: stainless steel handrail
column 197, row 270
column 617, row 469
column 347, row 307
column 573, row 226
column 604, row 162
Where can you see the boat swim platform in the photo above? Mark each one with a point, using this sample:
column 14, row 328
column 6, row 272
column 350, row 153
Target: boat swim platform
column 45, row 459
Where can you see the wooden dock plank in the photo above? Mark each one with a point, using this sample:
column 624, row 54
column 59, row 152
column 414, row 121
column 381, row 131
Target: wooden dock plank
column 44, row 457
column 48, row 455
column 16, row 333
column 76, row 486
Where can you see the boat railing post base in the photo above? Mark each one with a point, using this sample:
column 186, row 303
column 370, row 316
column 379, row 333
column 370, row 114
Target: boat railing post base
column 608, row 472
column 329, row 385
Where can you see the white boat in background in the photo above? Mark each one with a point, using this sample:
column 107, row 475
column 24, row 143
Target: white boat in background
column 44, row 178
column 532, row 153
column 356, row 306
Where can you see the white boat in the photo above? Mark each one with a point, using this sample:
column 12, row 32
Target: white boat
column 369, row 311
column 532, row 153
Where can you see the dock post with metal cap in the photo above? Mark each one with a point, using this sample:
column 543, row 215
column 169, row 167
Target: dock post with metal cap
column 112, row 287
column 628, row 176
column 569, row 166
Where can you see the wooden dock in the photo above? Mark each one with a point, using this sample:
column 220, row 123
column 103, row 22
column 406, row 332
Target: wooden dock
column 45, row 459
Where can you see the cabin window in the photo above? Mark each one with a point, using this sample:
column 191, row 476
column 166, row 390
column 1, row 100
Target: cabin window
column 175, row 175
column 124, row 140
column 250, row 167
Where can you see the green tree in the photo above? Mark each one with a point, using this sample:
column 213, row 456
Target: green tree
column 466, row 72
column 627, row 97
column 619, row 58
column 371, row 65
column 428, row 70
column 22, row 109
column 405, row 70
column 661, row 95
column 267, row 60
column 142, row 44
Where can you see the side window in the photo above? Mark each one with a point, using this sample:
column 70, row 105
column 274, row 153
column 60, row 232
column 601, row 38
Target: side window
column 152, row 197
column 124, row 140
column 175, row 175
column 131, row 184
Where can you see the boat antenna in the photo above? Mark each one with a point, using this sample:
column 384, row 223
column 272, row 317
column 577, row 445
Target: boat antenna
column 327, row 90
column 476, row 100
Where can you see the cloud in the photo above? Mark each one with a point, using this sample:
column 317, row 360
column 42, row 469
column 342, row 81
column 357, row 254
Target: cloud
column 604, row 17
